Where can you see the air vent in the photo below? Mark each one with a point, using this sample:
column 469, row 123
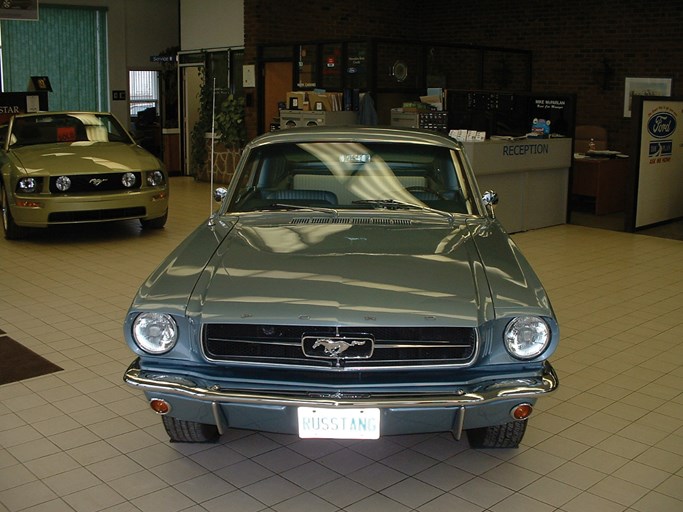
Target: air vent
column 353, row 220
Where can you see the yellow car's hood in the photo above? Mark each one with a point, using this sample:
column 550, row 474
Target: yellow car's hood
column 83, row 157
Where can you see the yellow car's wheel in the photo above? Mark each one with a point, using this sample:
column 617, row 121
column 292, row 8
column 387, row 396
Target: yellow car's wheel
column 157, row 223
column 11, row 230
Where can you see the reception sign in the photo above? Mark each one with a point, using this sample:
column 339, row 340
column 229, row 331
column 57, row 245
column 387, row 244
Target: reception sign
column 659, row 177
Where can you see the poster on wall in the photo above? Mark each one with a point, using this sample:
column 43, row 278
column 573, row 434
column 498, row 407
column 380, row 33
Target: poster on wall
column 644, row 87
column 19, row 10
column 659, row 189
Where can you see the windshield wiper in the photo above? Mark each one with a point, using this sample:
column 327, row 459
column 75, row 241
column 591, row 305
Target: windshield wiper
column 393, row 204
column 286, row 206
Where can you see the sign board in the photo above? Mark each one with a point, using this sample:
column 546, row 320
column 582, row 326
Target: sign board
column 659, row 172
column 19, row 10
column 162, row 58
column 12, row 103
column 39, row 83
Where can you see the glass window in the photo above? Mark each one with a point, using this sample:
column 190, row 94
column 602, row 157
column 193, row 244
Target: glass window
column 144, row 91
column 352, row 175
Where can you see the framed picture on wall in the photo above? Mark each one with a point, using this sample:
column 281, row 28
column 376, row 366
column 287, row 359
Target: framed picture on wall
column 644, row 87
column 19, row 10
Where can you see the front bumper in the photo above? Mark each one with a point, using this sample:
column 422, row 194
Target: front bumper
column 148, row 203
column 472, row 406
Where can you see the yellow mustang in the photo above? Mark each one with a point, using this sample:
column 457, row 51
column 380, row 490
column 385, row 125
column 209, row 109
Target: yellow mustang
column 76, row 167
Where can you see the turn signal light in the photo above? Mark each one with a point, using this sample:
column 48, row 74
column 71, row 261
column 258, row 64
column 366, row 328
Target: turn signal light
column 159, row 406
column 28, row 204
column 522, row 411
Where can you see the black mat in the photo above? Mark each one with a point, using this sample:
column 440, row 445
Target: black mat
column 19, row 363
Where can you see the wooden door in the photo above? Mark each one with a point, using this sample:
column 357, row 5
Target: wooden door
column 277, row 79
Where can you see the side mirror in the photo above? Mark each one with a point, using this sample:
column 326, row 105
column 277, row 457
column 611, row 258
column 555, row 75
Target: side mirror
column 220, row 194
column 490, row 199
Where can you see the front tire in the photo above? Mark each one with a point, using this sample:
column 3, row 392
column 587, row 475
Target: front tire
column 182, row 431
column 157, row 223
column 508, row 435
column 9, row 227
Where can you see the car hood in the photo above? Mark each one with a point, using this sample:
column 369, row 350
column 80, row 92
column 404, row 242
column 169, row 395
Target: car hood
column 83, row 157
column 343, row 274
column 332, row 271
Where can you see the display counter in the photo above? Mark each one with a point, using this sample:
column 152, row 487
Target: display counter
column 531, row 177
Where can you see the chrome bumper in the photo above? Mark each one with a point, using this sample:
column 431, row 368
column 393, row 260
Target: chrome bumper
column 489, row 391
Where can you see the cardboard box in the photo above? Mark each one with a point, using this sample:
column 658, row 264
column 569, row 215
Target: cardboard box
column 296, row 100
column 320, row 101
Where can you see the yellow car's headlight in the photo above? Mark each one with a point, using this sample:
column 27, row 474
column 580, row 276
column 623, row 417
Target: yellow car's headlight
column 155, row 178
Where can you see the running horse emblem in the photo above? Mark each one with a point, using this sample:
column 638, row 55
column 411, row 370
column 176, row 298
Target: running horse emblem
column 335, row 347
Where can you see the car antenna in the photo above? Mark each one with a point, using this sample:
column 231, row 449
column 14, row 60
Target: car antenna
column 213, row 143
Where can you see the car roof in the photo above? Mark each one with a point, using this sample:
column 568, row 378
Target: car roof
column 357, row 134
column 61, row 112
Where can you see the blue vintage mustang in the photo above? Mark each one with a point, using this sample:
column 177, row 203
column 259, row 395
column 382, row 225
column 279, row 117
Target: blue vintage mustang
column 354, row 283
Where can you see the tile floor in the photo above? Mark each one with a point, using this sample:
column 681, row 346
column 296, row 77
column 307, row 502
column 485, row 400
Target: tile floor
column 610, row 439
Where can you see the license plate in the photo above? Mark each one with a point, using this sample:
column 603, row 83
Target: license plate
column 322, row 423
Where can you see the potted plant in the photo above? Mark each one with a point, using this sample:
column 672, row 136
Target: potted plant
column 230, row 130
column 198, row 149
column 227, row 138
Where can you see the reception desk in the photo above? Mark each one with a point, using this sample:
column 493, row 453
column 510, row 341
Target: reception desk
column 531, row 177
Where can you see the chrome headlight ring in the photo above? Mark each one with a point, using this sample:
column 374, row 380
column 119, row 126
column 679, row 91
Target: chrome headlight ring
column 527, row 337
column 155, row 333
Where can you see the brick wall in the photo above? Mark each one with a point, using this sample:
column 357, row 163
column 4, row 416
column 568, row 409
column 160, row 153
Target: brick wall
column 582, row 47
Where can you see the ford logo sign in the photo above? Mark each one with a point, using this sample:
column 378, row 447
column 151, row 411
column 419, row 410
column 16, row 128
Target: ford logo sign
column 661, row 125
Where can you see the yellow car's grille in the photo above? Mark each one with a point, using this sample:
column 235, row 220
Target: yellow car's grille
column 95, row 183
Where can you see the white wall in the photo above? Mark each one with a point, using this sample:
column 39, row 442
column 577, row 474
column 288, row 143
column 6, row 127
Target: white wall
column 211, row 24
column 137, row 29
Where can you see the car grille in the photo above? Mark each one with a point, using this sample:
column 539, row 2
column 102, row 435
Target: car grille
column 97, row 215
column 392, row 346
column 95, row 183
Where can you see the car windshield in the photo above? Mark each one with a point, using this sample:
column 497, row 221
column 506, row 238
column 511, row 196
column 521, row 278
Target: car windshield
column 84, row 128
column 341, row 175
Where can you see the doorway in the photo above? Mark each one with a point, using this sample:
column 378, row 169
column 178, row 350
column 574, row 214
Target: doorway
column 278, row 78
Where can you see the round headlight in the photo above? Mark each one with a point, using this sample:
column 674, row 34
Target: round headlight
column 155, row 333
column 63, row 183
column 527, row 337
column 128, row 179
column 155, row 178
column 27, row 185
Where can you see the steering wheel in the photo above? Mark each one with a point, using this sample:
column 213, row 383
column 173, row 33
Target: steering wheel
column 419, row 188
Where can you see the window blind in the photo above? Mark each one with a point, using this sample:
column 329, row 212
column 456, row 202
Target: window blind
column 67, row 44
